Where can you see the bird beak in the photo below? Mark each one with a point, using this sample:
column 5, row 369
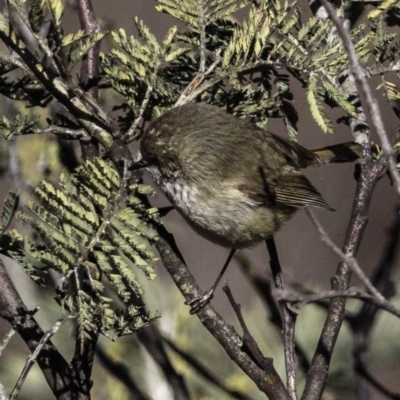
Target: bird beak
column 138, row 165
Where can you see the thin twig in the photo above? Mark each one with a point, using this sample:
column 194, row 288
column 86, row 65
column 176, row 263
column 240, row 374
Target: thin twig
column 217, row 326
column 59, row 376
column 193, row 89
column 371, row 103
column 202, row 29
column 64, row 132
column 6, row 340
column 130, row 134
column 32, row 358
column 264, row 287
column 288, row 321
column 349, row 260
column 248, row 339
column 187, row 94
column 90, row 68
column 363, row 322
column 383, row 69
column 301, row 299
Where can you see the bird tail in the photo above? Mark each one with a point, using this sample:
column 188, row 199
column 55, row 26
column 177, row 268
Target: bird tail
column 339, row 153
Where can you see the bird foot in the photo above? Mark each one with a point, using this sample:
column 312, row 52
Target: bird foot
column 199, row 302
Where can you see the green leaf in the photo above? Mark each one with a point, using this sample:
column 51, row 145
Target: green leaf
column 316, row 106
column 83, row 239
column 36, row 14
column 148, row 37
column 17, row 126
column 15, row 246
column 339, row 98
column 57, row 9
column 9, row 208
column 78, row 44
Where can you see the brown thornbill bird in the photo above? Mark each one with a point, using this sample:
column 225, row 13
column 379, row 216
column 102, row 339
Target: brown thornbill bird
column 233, row 182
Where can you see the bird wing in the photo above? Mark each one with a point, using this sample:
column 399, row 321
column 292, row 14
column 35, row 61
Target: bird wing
column 291, row 190
column 295, row 154
column 296, row 191
column 274, row 178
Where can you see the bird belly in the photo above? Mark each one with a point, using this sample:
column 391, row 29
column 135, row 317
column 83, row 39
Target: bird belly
column 224, row 216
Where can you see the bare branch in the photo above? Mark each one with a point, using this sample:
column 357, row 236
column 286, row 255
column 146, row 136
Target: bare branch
column 317, row 376
column 349, row 260
column 65, row 133
column 32, row 358
column 130, row 134
column 288, row 321
column 223, row 332
column 56, row 370
column 90, row 67
column 248, row 339
column 202, row 29
column 300, row 299
column 371, row 102
column 6, row 340
column 194, row 88
column 264, row 287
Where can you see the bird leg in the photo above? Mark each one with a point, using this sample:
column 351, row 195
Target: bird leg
column 199, row 302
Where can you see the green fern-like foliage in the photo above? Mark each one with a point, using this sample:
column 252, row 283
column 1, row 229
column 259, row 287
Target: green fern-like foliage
column 9, row 208
column 18, row 126
column 244, row 66
column 44, row 58
column 98, row 242
column 12, row 243
column 92, row 229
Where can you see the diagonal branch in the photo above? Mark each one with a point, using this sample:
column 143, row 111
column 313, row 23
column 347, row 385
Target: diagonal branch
column 33, row 357
column 59, row 376
column 90, row 67
column 83, row 359
column 225, row 334
column 288, row 321
column 363, row 322
column 300, row 299
column 318, row 374
column 349, row 260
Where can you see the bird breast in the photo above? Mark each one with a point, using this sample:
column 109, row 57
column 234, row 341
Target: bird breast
column 220, row 212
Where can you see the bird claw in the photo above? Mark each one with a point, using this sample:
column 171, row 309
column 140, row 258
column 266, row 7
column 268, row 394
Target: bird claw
column 199, row 302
